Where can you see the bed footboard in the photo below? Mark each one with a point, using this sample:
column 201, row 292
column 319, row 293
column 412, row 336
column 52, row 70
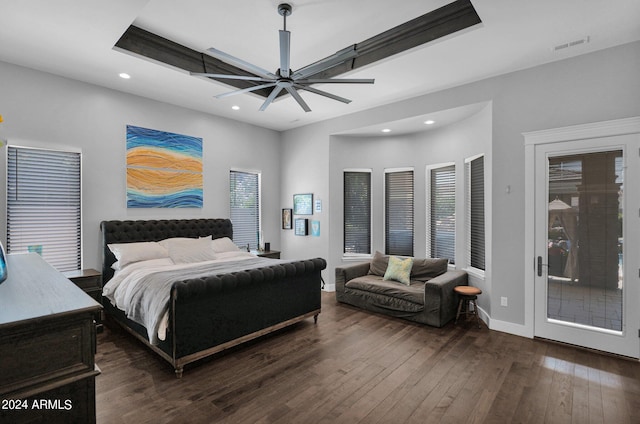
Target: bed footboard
column 211, row 314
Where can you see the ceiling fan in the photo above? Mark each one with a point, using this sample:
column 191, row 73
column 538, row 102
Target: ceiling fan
column 284, row 78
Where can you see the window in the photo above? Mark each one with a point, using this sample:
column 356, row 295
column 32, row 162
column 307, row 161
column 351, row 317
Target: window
column 357, row 212
column 398, row 212
column 475, row 212
column 43, row 205
column 244, row 194
column 441, row 213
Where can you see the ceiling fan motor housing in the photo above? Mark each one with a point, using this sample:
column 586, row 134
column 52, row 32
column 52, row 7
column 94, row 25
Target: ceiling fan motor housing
column 284, row 9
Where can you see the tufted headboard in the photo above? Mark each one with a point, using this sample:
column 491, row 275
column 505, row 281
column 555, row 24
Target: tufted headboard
column 156, row 230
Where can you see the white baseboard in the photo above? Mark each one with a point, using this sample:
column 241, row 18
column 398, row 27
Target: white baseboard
column 511, row 328
column 329, row 287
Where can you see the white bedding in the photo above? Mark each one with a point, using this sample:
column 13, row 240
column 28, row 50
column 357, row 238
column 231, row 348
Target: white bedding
column 142, row 289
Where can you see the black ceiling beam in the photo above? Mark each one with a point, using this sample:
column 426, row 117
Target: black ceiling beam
column 438, row 23
column 431, row 26
column 147, row 44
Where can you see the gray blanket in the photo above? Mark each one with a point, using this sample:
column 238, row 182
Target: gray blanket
column 149, row 296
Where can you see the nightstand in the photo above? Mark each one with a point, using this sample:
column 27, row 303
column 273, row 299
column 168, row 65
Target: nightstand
column 272, row 254
column 90, row 281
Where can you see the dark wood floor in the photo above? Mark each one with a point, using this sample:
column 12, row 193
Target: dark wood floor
column 358, row 367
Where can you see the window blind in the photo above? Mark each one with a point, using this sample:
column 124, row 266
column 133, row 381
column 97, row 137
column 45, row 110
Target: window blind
column 357, row 212
column 442, row 210
column 244, row 190
column 475, row 212
column 399, row 213
column 44, row 206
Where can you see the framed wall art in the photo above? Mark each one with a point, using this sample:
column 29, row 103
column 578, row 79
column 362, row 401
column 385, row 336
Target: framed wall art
column 302, row 226
column 287, row 219
column 303, row 204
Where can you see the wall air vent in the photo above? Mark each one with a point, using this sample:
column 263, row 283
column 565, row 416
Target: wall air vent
column 573, row 43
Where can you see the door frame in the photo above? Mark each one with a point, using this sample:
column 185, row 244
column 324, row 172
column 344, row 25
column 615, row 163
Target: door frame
column 555, row 135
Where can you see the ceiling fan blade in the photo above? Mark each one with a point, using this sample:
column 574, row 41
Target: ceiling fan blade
column 326, row 63
column 322, row 93
column 244, row 90
column 272, row 96
column 240, row 63
column 234, row 77
column 299, row 99
column 336, row 81
column 285, row 53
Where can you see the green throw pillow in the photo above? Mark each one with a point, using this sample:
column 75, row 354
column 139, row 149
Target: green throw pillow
column 399, row 270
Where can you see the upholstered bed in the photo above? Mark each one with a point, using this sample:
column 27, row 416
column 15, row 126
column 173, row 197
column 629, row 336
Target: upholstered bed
column 209, row 311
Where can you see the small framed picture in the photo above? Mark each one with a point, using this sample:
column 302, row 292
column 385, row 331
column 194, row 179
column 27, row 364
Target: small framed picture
column 302, row 226
column 287, row 221
column 303, row 204
column 315, row 228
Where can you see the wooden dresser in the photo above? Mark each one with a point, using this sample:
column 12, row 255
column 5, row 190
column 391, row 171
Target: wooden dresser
column 47, row 345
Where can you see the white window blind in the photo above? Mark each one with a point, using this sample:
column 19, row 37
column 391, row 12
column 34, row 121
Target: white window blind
column 442, row 209
column 475, row 213
column 43, row 205
column 357, row 212
column 399, row 212
column 244, row 190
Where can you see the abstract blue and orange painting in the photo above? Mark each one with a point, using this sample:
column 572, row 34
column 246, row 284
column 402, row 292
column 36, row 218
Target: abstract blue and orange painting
column 164, row 170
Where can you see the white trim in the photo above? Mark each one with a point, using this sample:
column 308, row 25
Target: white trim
column 37, row 146
column 403, row 169
column 472, row 158
column 246, row 170
column 475, row 272
column 329, row 287
column 369, row 170
column 584, row 131
column 357, row 257
column 531, row 140
column 511, row 328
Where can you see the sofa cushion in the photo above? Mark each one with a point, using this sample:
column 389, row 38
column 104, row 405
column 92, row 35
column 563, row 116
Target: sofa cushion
column 426, row 269
column 422, row 269
column 413, row 293
column 399, row 270
column 379, row 264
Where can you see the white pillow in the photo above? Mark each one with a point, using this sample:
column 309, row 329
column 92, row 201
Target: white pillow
column 127, row 253
column 167, row 242
column 224, row 244
column 191, row 250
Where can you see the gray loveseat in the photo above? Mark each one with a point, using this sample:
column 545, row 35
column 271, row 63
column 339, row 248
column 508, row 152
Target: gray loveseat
column 428, row 299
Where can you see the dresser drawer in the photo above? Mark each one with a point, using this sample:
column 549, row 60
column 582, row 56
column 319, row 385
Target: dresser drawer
column 34, row 355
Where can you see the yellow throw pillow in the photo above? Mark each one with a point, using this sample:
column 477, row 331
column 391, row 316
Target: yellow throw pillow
column 399, row 270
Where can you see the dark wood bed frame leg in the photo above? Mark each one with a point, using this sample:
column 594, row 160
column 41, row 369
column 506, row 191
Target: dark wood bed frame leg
column 179, row 372
column 315, row 319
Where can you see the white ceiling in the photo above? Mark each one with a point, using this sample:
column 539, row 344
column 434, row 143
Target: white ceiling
column 75, row 38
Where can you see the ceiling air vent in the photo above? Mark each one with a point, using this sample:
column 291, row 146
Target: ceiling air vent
column 573, row 43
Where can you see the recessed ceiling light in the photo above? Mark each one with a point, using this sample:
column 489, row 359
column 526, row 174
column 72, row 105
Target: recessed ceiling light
column 386, row 130
column 429, row 122
column 235, row 107
column 124, row 75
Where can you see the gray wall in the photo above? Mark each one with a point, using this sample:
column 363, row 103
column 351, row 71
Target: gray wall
column 450, row 144
column 43, row 110
column 595, row 87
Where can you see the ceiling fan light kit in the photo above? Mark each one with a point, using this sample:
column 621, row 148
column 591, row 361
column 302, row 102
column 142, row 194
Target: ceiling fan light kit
column 284, row 78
